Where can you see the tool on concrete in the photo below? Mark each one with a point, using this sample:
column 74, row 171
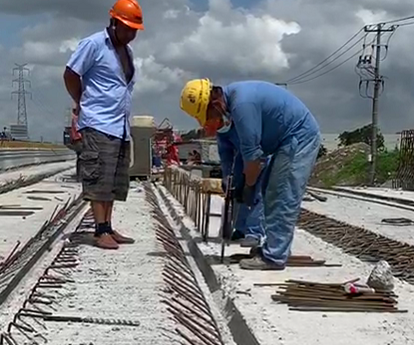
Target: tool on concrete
column 99, row 321
column 17, row 213
column 35, row 191
column 38, row 198
column 19, row 207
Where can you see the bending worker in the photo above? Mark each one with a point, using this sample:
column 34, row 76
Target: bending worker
column 249, row 221
column 268, row 120
column 100, row 78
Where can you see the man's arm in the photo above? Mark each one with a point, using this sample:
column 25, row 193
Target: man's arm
column 73, row 85
column 80, row 62
column 248, row 122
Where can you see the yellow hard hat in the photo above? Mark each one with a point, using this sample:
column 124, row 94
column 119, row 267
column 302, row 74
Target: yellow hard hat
column 195, row 98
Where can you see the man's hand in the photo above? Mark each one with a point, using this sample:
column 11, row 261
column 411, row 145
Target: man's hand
column 249, row 196
column 252, row 171
column 76, row 109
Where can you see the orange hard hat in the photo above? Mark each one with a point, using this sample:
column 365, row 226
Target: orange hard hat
column 128, row 12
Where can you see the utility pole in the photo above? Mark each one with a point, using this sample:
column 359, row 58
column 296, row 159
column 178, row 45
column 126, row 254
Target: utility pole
column 378, row 81
column 21, row 96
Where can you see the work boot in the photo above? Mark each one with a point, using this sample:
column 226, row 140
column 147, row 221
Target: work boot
column 105, row 241
column 258, row 263
column 249, row 242
column 237, row 236
column 121, row 239
column 254, row 251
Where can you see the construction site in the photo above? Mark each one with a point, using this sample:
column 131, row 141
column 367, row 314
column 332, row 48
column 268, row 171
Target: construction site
column 57, row 288
column 121, row 215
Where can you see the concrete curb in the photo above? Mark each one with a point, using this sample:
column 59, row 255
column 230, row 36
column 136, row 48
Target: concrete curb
column 241, row 332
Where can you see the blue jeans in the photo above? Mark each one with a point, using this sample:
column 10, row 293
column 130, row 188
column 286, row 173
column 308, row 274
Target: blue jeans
column 250, row 221
column 284, row 185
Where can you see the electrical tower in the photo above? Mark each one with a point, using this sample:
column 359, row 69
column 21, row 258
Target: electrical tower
column 368, row 68
column 21, row 95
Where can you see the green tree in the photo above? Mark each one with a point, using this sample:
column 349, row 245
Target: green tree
column 361, row 135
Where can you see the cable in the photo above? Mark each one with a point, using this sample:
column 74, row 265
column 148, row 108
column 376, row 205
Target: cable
column 299, row 79
column 396, row 20
column 303, row 76
column 326, row 59
column 335, row 67
column 405, row 24
column 329, row 70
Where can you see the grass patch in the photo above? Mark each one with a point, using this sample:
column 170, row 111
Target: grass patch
column 355, row 171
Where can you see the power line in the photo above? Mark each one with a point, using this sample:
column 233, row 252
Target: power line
column 393, row 21
column 306, row 73
column 304, row 77
column 333, row 68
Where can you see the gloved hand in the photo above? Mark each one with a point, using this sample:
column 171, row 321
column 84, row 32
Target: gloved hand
column 238, row 189
column 250, row 195
column 223, row 185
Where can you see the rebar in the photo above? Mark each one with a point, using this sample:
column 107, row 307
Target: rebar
column 184, row 298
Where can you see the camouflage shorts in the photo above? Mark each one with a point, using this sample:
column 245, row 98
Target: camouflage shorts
column 104, row 166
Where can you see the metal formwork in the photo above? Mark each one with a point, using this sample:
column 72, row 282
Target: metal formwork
column 405, row 172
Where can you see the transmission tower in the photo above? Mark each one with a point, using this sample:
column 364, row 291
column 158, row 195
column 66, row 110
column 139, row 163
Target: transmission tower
column 21, row 94
column 368, row 69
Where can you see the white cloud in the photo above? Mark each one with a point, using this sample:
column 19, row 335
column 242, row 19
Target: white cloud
column 369, row 17
column 237, row 40
column 156, row 78
column 69, row 45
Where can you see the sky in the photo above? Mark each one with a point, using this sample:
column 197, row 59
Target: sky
column 224, row 40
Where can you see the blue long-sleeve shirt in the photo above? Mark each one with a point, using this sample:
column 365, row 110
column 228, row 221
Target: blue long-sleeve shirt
column 265, row 116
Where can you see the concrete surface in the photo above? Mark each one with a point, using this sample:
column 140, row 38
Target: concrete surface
column 18, row 228
column 365, row 214
column 387, row 192
column 32, row 171
column 122, row 284
column 273, row 323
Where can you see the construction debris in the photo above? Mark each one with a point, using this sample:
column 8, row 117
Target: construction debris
column 328, row 297
column 381, row 277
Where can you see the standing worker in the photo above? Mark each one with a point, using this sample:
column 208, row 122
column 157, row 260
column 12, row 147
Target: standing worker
column 269, row 120
column 100, row 79
column 249, row 221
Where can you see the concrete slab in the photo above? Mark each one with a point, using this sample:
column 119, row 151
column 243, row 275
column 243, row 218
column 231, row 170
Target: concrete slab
column 122, row 284
column 17, row 228
column 382, row 192
column 365, row 214
column 274, row 324
column 34, row 170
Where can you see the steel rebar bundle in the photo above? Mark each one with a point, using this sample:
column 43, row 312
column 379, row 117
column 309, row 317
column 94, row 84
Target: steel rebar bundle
column 328, row 297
